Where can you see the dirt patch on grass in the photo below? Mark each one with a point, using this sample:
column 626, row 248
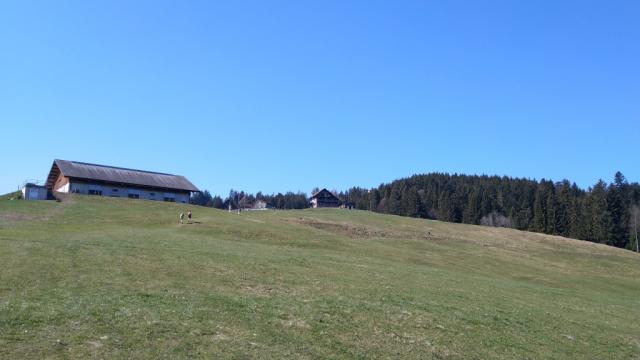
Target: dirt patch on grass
column 13, row 217
column 259, row 290
column 295, row 323
column 94, row 345
column 271, row 290
column 220, row 337
column 360, row 231
column 344, row 229
column 44, row 216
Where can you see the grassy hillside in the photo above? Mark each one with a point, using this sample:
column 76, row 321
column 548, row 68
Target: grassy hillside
column 11, row 196
column 119, row 278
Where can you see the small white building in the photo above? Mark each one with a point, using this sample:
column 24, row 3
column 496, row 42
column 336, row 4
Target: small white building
column 260, row 205
column 32, row 191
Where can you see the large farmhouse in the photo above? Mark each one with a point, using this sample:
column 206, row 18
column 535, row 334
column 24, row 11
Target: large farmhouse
column 324, row 198
column 91, row 179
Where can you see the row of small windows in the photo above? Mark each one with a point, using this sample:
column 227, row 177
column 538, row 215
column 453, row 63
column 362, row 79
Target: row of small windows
column 132, row 195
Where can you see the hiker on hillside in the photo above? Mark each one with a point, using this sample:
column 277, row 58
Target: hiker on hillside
column 181, row 217
column 189, row 216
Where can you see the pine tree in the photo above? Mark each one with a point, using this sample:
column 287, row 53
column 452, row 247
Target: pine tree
column 562, row 208
column 421, row 210
column 598, row 213
column 394, row 204
column 217, row 202
column 619, row 212
column 445, row 207
column 523, row 216
column 374, row 199
column 539, row 213
column 576, row 225
column 470, row 214
column 410, row 202
column 551, row 214
column 576, row 213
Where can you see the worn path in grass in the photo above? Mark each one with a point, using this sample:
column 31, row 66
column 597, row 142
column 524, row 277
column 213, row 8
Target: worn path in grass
column 119, row 278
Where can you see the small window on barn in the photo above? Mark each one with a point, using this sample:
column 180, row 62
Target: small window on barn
column 95, row 192
column 152, row 194
column 114, row 190
column 134, row 194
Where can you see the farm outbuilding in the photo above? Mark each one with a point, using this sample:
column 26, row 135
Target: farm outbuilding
column 260, row 205
column 92, row 179
column 31, row 191
column 324, row 198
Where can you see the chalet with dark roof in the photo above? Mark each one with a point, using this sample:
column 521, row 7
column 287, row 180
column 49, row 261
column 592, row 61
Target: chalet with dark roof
column 92, row 179
column 324, row 199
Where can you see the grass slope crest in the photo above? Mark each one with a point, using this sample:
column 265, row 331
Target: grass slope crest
column 93, row 277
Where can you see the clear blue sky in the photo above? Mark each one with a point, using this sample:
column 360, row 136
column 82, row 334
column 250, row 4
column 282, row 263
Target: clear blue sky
column 278, row 96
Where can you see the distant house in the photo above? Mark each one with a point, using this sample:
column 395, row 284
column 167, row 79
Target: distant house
column 324, row 198
column 92, row 179
column 260, row 205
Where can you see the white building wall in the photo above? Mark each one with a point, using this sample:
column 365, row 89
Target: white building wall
column 34, row 193
column 63, row 189
column 121, row 191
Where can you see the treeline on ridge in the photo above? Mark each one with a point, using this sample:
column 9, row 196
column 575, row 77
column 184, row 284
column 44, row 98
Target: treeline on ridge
column 241, row 199
column 604, row 213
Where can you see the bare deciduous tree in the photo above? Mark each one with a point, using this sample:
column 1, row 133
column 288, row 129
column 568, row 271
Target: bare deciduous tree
column 496, row 219
column 635, row 214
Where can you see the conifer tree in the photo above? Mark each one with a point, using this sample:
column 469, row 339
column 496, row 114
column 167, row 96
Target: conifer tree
column 539, row 213
column 410, row 202
column 445, row 208
column 598, row 214
column 420, row 208
column 470, row 214
column 562, row 206
column 619, row 212
column 551, row 214
column 394, row 205
column 374, row 199
column 523, row 216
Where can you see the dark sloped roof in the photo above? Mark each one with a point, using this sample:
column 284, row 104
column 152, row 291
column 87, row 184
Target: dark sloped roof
column 80, row 170
column 325, row 193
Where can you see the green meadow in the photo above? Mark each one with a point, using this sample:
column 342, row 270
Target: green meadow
column 107, row 278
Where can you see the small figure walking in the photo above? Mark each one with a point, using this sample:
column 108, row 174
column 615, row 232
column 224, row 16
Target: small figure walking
column 189, row 216
column 181, row 217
